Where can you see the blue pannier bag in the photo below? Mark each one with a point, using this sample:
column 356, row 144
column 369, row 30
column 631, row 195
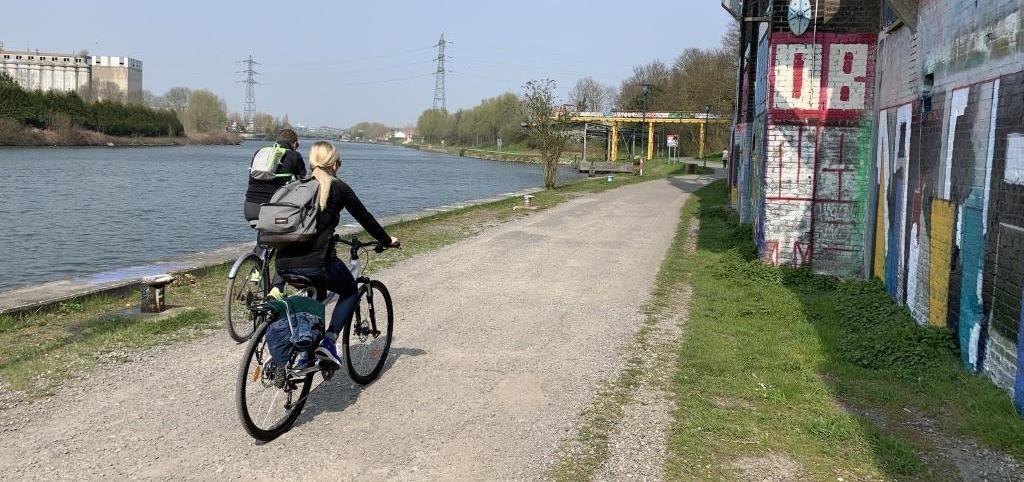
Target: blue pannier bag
column 299, row 326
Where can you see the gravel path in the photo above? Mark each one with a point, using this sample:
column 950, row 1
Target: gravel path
column 501, row 341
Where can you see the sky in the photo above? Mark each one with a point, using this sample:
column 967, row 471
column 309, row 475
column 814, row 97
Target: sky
column 341, row 62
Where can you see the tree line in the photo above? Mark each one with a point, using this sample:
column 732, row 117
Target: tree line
column 695, row 81
column 52, row 109
column 495, row 118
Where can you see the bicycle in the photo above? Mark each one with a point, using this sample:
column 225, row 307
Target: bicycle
column 366, row 341
column 245, row 291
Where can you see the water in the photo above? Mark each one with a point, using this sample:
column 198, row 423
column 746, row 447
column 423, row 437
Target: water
column 70, row 212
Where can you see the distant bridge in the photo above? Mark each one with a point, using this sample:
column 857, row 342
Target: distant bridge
column 613, row 119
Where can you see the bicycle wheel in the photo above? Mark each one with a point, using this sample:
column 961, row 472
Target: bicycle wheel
column 367, row 338
column 268, row 399
column 245, row 289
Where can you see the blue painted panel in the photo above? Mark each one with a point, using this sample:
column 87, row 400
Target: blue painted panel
column 972, row 252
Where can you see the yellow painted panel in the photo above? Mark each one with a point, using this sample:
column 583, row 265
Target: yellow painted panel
column 880, row 227
column 941, row 256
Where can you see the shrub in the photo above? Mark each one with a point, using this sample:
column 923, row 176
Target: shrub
column 66, row 111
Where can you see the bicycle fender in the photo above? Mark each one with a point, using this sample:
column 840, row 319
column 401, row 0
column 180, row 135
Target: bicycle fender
column 239, row 261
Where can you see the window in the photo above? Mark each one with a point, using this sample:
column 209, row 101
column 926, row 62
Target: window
column 53, row 59
column 31, row 57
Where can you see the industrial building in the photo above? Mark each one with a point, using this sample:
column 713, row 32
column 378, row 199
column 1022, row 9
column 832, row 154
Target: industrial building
column 66, row 72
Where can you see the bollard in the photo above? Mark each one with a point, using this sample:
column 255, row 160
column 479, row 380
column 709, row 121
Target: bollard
column 153, row 293
column 527, row 203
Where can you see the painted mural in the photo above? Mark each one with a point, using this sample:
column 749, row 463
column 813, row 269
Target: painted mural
column 816, row 151
column 916, row 177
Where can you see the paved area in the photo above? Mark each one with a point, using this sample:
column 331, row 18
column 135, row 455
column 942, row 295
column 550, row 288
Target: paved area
column 501, row 341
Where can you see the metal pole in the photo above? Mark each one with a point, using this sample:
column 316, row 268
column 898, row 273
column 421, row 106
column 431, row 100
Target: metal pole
column 585, row 125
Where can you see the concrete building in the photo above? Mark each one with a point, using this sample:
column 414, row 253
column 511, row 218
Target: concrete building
column 46, row 71
column 69, row 73
column 123, row 72
column 886, row 139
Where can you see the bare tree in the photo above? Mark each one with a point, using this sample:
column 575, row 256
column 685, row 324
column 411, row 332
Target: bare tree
column 589, row 95
column 655, row 75
column 176, row 98
column 545, row 125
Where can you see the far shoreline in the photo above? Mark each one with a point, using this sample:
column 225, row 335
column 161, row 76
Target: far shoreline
column 38, row 138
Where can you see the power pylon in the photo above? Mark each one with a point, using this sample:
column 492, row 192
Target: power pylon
column 250, row 91
column 439, row 101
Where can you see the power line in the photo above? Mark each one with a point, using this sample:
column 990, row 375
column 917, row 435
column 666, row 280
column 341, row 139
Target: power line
column 359, row 59
column 307, row 73
column 439, row 89
column 250, row 91
column 350, row 84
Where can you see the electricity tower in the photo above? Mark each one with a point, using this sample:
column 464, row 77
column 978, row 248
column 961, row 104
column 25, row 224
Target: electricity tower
column 439, row 101
column 250, row 92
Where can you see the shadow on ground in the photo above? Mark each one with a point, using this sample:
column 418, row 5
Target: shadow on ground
column 340, row 392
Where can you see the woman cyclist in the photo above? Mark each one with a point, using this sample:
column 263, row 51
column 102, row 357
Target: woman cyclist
column 317, row 260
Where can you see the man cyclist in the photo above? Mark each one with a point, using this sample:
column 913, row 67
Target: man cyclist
column 291, row 166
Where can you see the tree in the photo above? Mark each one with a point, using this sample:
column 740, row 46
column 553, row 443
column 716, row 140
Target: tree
column 545, row 127
column 205, row 112
column 588, row 95
column 285, row 124
column 433, row 124
column 265, row 125
column 176, row 98
column 656, row 76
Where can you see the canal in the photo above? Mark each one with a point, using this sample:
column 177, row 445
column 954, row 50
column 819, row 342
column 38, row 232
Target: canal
column 71, row 212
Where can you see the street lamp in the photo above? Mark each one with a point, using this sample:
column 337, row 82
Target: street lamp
column 703, row 128
column 646, row 90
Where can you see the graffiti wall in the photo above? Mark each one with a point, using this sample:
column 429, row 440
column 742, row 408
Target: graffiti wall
column 949, row 221
column 817, row 155
column 898, row 154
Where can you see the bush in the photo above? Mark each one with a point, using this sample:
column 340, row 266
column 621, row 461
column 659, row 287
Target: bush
column 66, row 111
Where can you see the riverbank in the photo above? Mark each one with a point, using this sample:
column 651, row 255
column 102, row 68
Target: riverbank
column 14, row 135
column 492, row 155
column 94, row 328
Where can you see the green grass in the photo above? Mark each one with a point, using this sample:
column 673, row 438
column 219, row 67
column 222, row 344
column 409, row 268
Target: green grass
column 38, row 350
column 832, row 374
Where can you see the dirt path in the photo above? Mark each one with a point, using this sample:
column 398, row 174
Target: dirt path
column 501, row 340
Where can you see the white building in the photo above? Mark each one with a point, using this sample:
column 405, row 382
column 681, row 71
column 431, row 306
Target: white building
column 46, row 71
column 71, row 73
column 123, row 72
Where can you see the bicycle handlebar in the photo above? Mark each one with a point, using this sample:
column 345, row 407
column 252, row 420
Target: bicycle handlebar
column 355, row 243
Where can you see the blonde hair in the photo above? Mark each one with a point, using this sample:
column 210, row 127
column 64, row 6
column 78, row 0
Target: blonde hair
column 323, row 157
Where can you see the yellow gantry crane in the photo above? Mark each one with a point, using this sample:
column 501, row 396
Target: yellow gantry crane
column 650, row 118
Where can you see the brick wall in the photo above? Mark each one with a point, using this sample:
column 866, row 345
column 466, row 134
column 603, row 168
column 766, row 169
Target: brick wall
column 816, row 160
column 914, row 136
column 949, row 242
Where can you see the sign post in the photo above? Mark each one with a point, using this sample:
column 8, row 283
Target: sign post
column 672, row 141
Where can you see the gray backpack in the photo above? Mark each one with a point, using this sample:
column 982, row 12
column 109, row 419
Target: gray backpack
column 290, row 216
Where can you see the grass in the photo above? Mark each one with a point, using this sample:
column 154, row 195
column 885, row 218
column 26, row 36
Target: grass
column 831, row 374
column 39, row 350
